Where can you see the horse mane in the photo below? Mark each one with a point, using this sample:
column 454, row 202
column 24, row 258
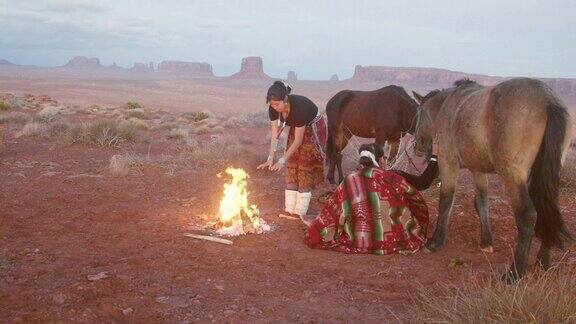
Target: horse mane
column 463, row 82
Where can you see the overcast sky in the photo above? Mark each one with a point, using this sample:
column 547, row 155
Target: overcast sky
column 314, row 38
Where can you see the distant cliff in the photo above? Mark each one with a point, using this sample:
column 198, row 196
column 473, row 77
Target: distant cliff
column 251, row 68
column 195, row 69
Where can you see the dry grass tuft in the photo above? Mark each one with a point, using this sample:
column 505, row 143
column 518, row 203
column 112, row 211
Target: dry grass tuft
column 166, row 125
column 201, row 129
column 132, row 105
column 33, row 128
column 195, row 116
column 137, row 113
column 4, row 106
column 134, row 122
column 539, row 297
column 177, row 133
column 48, row 114
column 16, row 118
column 124, row 164
column 103, row 133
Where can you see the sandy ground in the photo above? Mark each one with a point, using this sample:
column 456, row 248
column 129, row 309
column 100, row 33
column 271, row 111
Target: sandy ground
column 64, row 218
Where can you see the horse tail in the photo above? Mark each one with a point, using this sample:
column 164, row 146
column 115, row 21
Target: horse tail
column 333, row 111
column 545, row 178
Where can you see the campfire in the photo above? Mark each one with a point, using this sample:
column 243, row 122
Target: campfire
column 236, row 216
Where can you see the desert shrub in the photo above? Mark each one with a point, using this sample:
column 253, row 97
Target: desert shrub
column 201, row 129
column 119, row 165
column 132, row 105
column 112, row 134
column 103, row 133
column 167, row 119
column 48, row 114
column 196, row 116
column 177, row 133
column 137, row 113
column 134, row 122
column 33, row 128
column 166, row 125
column 58, row 128
column 17, row 118
column 4, row 106
column 231, row 122
column 539, row 297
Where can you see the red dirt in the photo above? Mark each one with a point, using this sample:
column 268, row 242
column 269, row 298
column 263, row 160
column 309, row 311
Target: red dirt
column 55, row 230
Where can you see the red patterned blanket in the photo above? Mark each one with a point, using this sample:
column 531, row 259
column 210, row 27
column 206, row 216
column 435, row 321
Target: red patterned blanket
column 371, row 211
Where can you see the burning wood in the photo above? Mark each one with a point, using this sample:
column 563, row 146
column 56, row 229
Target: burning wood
column 236, row 216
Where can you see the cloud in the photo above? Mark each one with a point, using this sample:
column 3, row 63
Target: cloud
column 70, row 6
column 315, row 38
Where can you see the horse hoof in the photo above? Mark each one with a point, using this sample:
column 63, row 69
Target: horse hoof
column 487, row 249
column 430, row 247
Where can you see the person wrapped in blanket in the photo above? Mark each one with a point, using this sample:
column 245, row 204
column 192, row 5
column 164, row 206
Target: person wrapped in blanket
column 304, row 156
column 374, row 210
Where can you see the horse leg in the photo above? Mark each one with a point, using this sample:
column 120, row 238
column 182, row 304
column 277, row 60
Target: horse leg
column 525, row 216
column 331, row 170
column 344, row 141
column 481, row 206
column 339, row 165
column 337, row 141
column 544, row 258
column 394, row 145
column 448, row 175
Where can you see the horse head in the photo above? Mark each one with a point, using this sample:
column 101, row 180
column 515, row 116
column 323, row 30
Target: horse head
column 424, row 130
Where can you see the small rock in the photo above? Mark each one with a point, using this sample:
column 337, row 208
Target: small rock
column 127, row 311
column 98, row 276
column 219, row 287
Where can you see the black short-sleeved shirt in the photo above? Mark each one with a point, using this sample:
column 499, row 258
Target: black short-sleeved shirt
column 302, row 111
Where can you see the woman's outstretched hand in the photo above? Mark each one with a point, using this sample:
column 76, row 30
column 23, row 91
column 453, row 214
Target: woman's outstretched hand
column 277, row 166
column 267, row 164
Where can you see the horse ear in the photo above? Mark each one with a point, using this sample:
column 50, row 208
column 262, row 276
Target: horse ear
column 418, row 97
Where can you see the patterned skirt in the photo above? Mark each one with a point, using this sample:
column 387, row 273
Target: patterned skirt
column 372, row 211
column 306, row 166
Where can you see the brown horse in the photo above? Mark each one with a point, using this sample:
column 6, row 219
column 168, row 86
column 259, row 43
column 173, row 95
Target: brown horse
column 517, row 129
column 384, row 114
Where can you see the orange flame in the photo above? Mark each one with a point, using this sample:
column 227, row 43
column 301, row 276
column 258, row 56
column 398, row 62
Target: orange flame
column 234, row 203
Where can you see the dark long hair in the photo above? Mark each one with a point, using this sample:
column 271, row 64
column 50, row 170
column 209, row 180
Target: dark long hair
column 279, row 90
